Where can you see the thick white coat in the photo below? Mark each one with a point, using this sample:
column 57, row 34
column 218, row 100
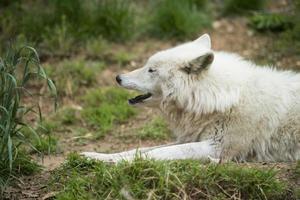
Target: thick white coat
column 249, row 112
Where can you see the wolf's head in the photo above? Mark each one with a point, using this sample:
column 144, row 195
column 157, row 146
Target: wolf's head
column 167, row 71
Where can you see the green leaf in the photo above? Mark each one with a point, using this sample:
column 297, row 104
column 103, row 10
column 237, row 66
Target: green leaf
column 10, row 151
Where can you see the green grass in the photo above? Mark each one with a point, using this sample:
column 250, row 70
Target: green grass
column 178, row 19
column 63, row 28
column 80, row 178
column 68, row 116
column 97, row 47
column 122, row 57
column 101, row 49
column 297, row 170
column 115, row 20
column 47, row 144
column 237, row 7
column 65, row 116
column 59, row 39
column 81, row 20
column 102, row 109
column 17, row 69
column 66, row 120
column 285, row 28
column 289, row 42
column 73, row 10
column 69, row 76
column 154, row 130
column 31, row 19
column 105, row 107
column 23, row 165
column 296, row 176
column 270, row 22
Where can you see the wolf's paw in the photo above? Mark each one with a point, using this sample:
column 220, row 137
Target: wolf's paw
column 99, row 156
column 213, row 160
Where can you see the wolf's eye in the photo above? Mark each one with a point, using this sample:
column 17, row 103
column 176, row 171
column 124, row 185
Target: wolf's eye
column 151, row 70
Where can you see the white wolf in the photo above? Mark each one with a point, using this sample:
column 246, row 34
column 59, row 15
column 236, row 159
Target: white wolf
column 218, row 105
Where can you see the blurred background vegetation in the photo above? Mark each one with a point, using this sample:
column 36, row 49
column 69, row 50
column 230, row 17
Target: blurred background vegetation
column 83, row 44
column 70, row 26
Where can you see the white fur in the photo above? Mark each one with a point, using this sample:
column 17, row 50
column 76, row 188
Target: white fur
column 194, row 150
column 249, row 112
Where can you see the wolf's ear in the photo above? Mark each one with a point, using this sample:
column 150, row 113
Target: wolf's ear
column 198, row 64
column 204, row 40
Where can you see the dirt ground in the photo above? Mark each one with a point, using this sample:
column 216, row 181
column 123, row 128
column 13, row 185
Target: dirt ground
column 227, row 35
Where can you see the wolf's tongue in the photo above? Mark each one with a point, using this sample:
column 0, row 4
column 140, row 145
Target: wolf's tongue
column 139, row 98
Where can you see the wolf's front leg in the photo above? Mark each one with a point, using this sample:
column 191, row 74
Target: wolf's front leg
column 196, row 150
column 126, row 155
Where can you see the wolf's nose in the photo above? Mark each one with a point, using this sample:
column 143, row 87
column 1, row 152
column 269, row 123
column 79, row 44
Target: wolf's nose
column 118, row 79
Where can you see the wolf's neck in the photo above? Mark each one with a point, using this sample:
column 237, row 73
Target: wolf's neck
column 190, row 101
column 212, row 93
column 190, row 126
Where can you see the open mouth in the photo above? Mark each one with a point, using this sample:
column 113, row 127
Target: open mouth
column 139, row 98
